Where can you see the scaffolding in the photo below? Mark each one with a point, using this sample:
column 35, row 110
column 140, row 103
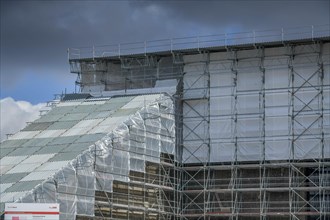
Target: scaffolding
column 232, row 171
column 148, row 195
column 252, row 130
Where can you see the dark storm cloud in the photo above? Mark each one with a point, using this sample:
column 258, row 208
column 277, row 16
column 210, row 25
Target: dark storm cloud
column 36, row 34
column 248, row 14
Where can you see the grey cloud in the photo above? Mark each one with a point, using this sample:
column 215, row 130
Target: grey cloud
column 36, row 34
column 250, row 14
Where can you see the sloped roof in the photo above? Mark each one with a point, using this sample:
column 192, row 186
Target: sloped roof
column 48, row 144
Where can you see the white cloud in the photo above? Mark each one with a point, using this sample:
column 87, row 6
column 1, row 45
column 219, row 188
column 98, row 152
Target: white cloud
column 15, row 114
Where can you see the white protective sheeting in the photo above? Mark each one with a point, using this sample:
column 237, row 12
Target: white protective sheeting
column 23, row 135
column 257, row 103
column 138, row 138
column 195, row 132
column 195, row 80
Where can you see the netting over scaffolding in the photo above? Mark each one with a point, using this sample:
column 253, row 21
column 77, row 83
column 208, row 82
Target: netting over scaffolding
column 81, row 147
column 256, row 141
column 262, row 100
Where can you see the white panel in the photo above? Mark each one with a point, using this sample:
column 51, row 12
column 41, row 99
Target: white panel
column 52, row 165
column 221, row 91
column 101, row 129
column 24, row 168
column 4, row 168
column 5, row 186
column 275, row 126
column 12, row 160
column 222, row 152
column 306, row 96
column 218, row 67
column 87, row 123
column 249, row 80
column 248, row 127
column 326, row 59
column 195, row 129
column 277, row 78
column 326, row 122
column 195, row 108
column 277, row 149
column 222, row 105
column 113, row 121
column 76, row 131
column 194, row 81
column 327, row 147
column 194, row 93
column 50, row 133
column 248, row 104
column 223, row 66
column 326, row 48
column 221, row 128
column 194, row 85
column 326, row 99
column 309, row 122
column 221, row 79
column 276, row 111
column 249, row 151
column 307, row 149
column 248, row 64
column 306, row 73
column 41, row 158
column 37, row 176
column 194, row 152
column 23, row 135
column 276, row 62
column 277, row 99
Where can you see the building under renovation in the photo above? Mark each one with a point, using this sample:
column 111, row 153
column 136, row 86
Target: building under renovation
column 233, row 126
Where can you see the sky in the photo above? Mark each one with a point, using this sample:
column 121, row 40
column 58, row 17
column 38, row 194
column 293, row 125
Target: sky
column 35, row 35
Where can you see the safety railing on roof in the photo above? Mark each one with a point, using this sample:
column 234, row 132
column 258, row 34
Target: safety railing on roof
column 201, row 42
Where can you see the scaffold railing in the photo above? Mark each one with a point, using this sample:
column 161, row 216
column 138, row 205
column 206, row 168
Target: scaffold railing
column 199, row 42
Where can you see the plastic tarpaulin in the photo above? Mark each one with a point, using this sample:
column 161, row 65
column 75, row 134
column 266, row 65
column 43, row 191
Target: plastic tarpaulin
column 140, row 138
